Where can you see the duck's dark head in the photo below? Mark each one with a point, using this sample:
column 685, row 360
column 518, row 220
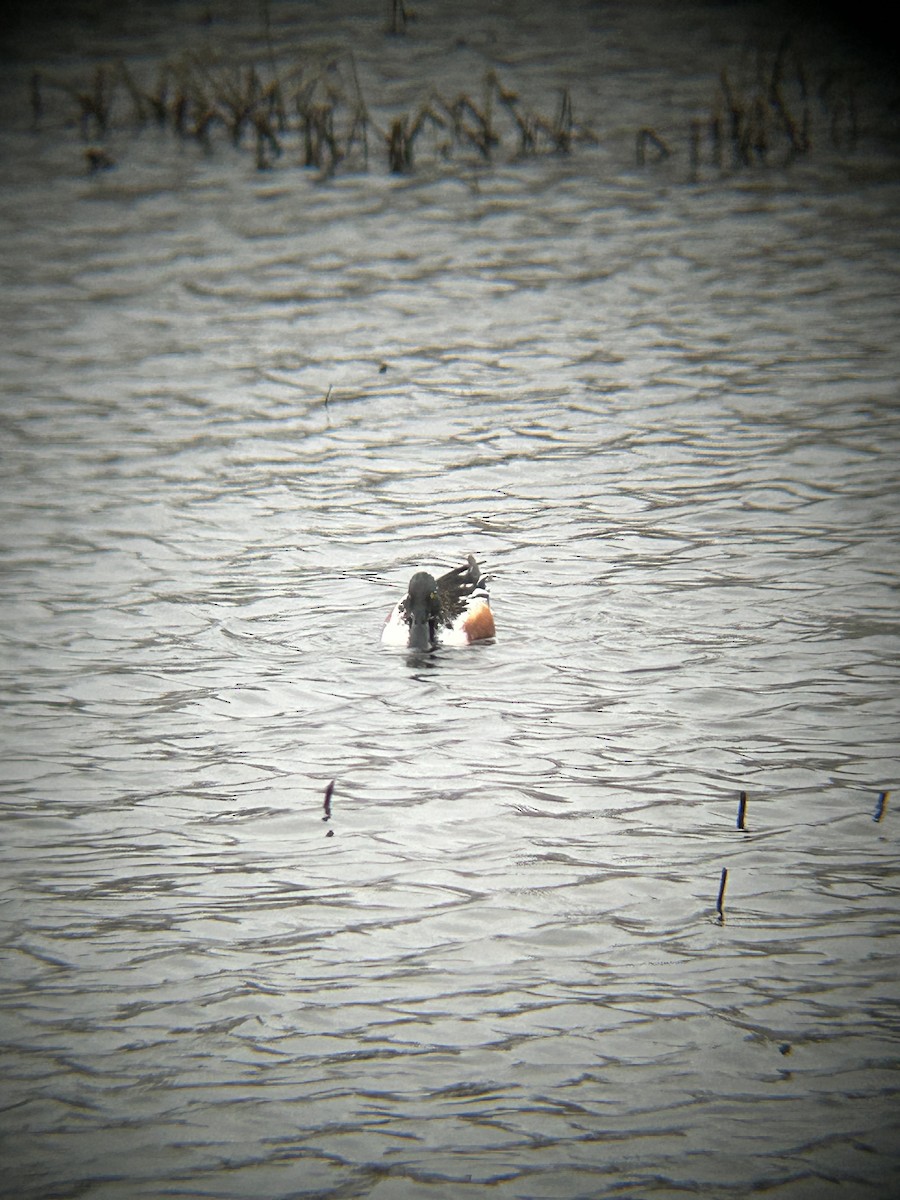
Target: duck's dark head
column 421, row 608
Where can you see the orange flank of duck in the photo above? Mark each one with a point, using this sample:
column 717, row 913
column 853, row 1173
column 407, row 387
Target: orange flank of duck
column 479, row 623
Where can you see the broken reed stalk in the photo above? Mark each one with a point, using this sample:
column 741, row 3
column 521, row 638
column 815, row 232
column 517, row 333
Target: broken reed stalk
column 559, row 133
column 202, row 124
column 736, row 123
column 398, row 19
column 481, row 134
column 139, row 101
column 318, row 136
column 94, row 106
column 742, row 810
column 267, row 144
column 359, row 128
column 238, row 100
column 400, row 150
column 649, row 137
column 720, row 902
column 401, row 137
column 194, row 93
column 329, row 792
column 800, row 139
column 565, row 122
column 772, row 114
column 272, row 100
column 158, row 100
column 359, row 132
column 524, row 122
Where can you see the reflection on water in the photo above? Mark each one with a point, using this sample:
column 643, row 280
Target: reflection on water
column 239, row 410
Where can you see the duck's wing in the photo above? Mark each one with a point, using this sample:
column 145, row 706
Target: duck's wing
column 455, row 588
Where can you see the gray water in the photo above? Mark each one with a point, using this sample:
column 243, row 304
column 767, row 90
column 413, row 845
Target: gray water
column 239, row 409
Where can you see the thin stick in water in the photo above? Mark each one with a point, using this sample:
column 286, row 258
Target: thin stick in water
column 880, row 806
column 742, row 810
column 720, row 903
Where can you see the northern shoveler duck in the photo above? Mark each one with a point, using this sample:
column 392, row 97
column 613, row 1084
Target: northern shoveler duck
column 453, row 610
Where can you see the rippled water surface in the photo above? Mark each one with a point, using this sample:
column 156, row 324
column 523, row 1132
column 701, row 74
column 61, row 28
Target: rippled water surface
column 239, row 408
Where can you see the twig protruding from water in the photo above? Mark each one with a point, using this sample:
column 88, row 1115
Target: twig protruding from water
column 720, row 902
